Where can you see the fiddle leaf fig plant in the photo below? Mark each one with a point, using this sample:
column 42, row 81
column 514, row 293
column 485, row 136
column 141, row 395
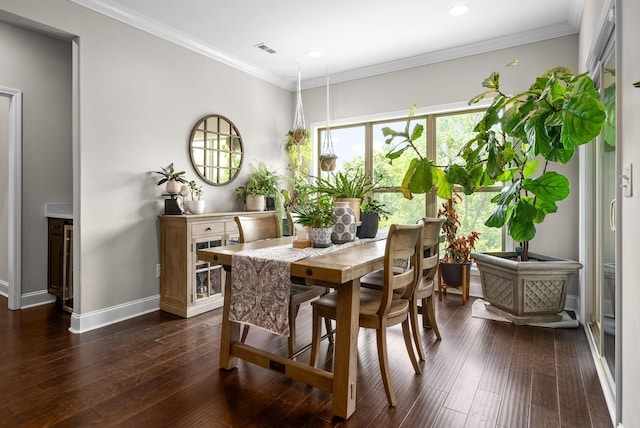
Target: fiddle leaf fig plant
column 516, row 142
column 521, row 136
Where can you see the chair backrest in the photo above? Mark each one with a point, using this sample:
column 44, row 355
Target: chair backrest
column 293, row 226
column 431, row 230
column 403, row 243
column 257, row 228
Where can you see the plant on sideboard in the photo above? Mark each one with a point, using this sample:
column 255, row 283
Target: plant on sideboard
column 172, row 178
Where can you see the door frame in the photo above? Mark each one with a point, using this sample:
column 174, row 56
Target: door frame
column 15, row 196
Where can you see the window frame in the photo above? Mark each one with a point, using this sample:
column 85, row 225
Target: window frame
column 430, row 118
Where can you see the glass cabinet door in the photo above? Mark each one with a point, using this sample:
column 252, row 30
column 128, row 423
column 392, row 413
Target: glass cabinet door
column 208, row 276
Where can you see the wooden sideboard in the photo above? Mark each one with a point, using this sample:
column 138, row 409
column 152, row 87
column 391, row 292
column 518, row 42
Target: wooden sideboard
column 188, row 286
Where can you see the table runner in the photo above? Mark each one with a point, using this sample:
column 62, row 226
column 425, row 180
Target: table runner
column 261, row 283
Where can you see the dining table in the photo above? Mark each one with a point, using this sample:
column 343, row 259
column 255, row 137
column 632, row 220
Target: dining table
column 339, row 269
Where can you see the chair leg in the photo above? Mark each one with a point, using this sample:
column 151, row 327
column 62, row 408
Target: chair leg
column 245, row 332
column 440, row 286
column 413, row 314
column 291, row 340
column 327, row 324
column 409, row 344
column 381, row 336
column 315, row 339
column 428, row 306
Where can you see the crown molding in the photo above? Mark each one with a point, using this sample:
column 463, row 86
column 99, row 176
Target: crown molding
column 162, row 31
column 510, row 41
column 169, row 34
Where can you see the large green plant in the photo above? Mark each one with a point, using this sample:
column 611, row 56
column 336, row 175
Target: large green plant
column 517, row 140
column 352, row 183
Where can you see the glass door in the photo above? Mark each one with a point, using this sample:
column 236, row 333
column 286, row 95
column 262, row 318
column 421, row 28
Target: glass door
column 604, row 293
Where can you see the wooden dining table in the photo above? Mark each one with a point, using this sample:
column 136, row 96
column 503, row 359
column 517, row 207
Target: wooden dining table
column 341, row 270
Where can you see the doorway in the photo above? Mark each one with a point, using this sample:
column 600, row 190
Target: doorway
column 13, row 113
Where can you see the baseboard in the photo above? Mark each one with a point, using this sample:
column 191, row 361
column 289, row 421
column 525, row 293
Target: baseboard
column 4, row 288
column 36, row 298
column 104, row 317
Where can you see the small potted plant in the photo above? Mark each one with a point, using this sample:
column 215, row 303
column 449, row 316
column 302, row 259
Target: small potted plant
column 262, row 183
column 458, row 250
column 297, row 136
column 350, row 186
column 370, row 213
column 327, row 161
column 195, row 205
column 172, row 177
column 318, row 215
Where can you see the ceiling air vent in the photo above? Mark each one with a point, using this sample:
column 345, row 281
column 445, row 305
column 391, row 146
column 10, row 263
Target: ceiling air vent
column 265, row 48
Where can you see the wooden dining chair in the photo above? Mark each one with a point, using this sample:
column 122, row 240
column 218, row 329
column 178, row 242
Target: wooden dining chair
column 383, row 308
column 426, row 286
column 257, row 228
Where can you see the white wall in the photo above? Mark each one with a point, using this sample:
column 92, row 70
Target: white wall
column 139, row 96
column 629, row 136
column 456, row 82
column 39, row 66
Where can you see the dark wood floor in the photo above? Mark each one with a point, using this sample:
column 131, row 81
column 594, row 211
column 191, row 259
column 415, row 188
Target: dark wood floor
column 159, row 370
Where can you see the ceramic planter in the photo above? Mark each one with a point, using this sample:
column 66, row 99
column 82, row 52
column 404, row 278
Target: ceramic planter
column 255, row 203
column 369, row 226
column 524, row 292
column 173, row 187
column 344, row 223
column 354, row 203
column 321, row 236
column 195, row 207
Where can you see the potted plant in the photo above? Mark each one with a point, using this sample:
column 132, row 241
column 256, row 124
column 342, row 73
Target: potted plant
column 327, row 161
column 172, row 178
column 318, row 215
column 518, row 140
column 455, row 265
column 262, row 183
column 370, row 213
column 350, row 186
column 195, row 205
column 297, row 136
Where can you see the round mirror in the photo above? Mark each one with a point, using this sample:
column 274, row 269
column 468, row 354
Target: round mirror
column 216, row 149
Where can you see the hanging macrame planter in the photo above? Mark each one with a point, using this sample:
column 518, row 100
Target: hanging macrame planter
column 298, row 133
column 327, row 156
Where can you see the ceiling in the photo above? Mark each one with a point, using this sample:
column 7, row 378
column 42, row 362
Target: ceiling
column 357, row 38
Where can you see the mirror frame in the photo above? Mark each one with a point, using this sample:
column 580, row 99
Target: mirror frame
column 201, row 126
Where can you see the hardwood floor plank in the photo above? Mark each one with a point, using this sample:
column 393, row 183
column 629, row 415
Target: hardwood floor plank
column 573, row 403
column 598, row 410
column 162, row 370
column 516, row 397
column 484, row 410
column 544, row 401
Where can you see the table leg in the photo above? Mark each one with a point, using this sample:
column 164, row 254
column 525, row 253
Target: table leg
column 346, row 349
column 230, row 330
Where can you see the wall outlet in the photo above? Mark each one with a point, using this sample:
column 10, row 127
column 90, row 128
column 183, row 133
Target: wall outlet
column 158, row 270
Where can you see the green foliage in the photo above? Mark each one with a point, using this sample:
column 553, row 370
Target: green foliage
column 315, row 212
column 559, row 112
column 195, row 190
column 458, row 248
column 169, row 173
column 263, row 181
column 351, row 183
column 374, row 206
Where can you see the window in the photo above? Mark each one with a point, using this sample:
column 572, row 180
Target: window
column 362, row 146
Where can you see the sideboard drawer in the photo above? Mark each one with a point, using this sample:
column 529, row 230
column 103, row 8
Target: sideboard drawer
column 207, row 228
